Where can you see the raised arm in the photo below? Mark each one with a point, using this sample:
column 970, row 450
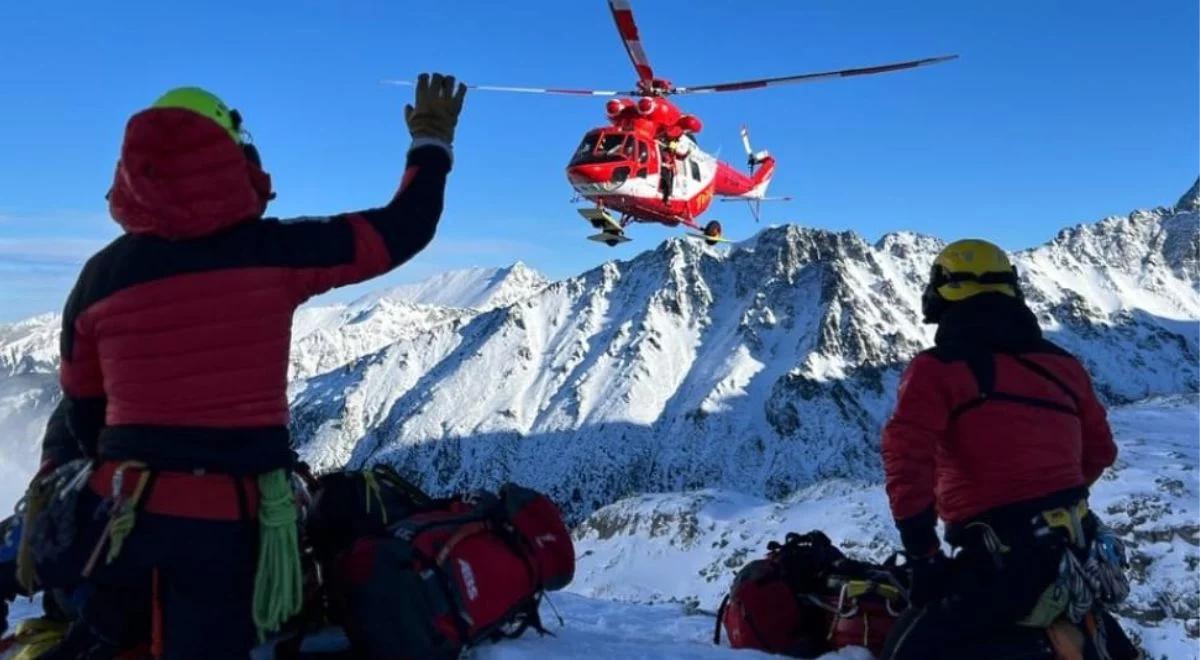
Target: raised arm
column 328, row 252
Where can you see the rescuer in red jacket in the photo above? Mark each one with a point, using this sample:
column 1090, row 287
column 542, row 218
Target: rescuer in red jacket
column 175, row 354
column 993, row 427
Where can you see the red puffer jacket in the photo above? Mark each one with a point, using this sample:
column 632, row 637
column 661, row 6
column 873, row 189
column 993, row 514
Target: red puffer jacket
column 175, row 339
column 994, row 416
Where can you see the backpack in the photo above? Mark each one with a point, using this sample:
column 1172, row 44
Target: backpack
column 349, row 504
column 864, row 601
column 465, row 570
column 768, row 606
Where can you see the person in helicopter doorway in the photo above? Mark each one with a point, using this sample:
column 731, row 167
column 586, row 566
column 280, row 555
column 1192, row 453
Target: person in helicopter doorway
column 998, row 432
column 666, row 159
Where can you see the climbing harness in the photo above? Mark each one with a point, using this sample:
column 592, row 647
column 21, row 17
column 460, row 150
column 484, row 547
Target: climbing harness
column 122, row 515
column 48, row 525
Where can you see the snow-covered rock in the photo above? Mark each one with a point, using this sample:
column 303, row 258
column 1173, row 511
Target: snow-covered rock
column 30, row 346
column 472, row 288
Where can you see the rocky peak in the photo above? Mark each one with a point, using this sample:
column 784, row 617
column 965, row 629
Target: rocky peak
column 1190, row 202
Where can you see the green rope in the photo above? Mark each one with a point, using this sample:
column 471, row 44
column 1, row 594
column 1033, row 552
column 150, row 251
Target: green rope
column 372, row 487
column 119, row 529
column 278, row 583
column 124, row 518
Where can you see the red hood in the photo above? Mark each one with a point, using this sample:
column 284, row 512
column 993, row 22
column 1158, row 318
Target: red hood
column 181, row 176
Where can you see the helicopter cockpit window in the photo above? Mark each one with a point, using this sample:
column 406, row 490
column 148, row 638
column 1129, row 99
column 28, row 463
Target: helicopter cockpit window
column 602, row 147
column 610, row 145
column 584, row 152
column 643, row 152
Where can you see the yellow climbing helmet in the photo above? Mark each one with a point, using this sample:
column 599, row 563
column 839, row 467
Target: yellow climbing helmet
column 205, row 103
column 965, row 269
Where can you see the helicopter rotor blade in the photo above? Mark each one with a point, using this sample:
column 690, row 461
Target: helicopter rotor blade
column 623, row 15
column 810, row 77
column 527, row 90
column 746, row 140
column 754, row 199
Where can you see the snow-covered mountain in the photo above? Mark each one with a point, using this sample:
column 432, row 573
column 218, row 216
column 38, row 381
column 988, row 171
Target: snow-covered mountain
column 28, row 392
column 474, row 288
column 760, row 370
column 328, row 336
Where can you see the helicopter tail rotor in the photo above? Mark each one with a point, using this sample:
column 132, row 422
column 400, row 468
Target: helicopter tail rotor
column 753, row 159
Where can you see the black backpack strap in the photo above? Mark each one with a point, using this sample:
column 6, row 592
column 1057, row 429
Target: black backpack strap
column 983, row 367
column 389, row 475
column 1048, row 375
column 720, row 618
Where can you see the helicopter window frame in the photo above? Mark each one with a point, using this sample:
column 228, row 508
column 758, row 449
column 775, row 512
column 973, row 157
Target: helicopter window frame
column 585, row 151
column 602, row 146
column 607, row 148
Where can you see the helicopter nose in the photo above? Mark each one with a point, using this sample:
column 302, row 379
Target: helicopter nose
column 588, row 174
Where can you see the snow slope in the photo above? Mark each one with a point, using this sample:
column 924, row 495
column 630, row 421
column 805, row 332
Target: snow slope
column 686, row 547
column 591, row 629
column 473, row 288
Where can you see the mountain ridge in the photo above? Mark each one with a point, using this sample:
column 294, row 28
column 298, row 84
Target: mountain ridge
column 761, row 369
column 778, row 359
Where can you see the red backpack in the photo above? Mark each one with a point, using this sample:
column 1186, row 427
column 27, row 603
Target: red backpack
column 467, row 570
column 807, row 598
column 864, row 606
column 768, row 607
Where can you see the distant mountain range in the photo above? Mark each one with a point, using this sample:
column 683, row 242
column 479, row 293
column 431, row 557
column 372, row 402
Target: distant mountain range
column 760, row 369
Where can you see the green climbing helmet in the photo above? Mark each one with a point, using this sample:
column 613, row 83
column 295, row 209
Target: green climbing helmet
column 205, row 103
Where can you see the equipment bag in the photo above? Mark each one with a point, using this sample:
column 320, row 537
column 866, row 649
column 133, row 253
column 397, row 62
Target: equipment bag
column 769, row 606
column 350, row 504
column 863, row 610
column 471, row 569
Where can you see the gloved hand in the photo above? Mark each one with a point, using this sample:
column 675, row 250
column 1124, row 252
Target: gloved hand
column 435, row 111
column 929, row 577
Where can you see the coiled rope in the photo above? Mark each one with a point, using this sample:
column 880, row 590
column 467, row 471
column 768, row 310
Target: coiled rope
column 278, row 582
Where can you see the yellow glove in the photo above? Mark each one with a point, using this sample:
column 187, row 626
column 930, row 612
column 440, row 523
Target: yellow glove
column 435, row 111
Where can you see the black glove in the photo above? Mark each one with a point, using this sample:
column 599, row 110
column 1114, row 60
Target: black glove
column 929, row 577
column 435, row 110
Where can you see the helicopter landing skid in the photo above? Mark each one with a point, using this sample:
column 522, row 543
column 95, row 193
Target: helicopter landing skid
column 602, row 220
column 612, row 232
column 609, row 239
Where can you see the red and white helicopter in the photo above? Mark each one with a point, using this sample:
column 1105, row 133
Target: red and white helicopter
column 646, row 166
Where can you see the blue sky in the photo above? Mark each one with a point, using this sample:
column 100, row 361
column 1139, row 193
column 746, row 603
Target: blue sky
column 1056, row 113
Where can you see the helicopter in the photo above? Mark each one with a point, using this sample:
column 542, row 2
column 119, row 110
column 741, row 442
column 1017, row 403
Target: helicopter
column 646, row 166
